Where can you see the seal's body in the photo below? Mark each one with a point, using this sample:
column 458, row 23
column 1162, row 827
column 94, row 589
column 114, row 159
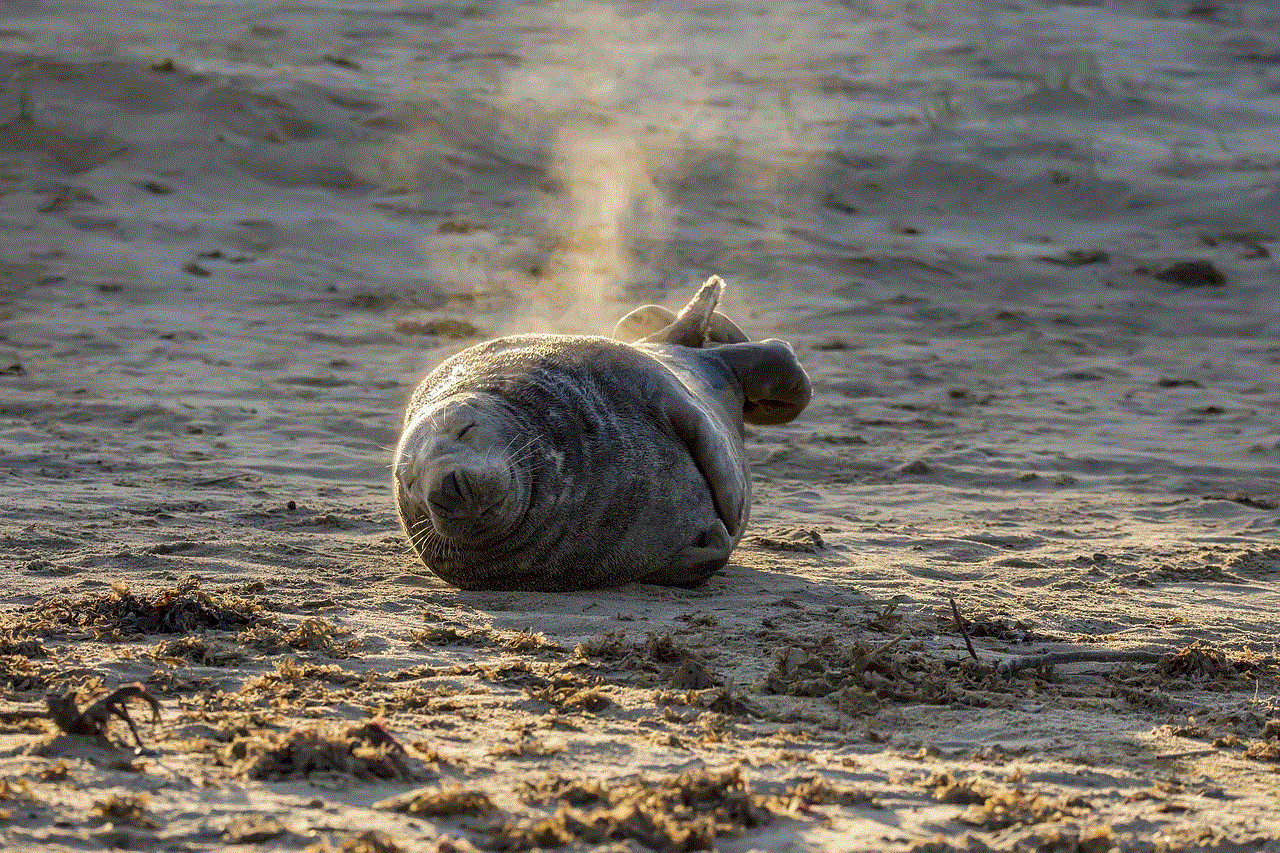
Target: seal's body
column 559, row 462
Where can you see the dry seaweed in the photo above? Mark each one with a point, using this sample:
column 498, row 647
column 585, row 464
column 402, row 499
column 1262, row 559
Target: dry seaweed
column 177, row 610
column 440, row 802
column 569, row 694
column 613, row 645
column 526, row 747
column 687, row 811
column 309, row 635
column 1203, row 664
column 858, row 676
column 196, row 649
column 373, row 841
column 252, row 829
column 441, row 631
column 130, row 809
column 992, row 806
column 365, row 752
column 19, row 639
column 1195, row 272
column 294, row 684
column 801, row 540
column 675, row 813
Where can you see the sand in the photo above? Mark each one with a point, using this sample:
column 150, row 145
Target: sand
column 1026, row 251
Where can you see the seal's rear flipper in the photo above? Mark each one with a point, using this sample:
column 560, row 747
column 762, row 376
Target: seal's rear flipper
column 774, row 385
column 697, row 562
column 697, row 324
column 690, row 326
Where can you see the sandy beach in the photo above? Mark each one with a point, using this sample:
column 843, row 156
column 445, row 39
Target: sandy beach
column 1026, row 251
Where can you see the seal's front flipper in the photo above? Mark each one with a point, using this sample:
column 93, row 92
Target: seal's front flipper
column 774, row 385
column 697, row 562
column 690, row 326
column 718, row 458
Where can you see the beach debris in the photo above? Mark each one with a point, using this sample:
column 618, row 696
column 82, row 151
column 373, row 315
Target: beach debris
column 129, row 809
column 368, row 751
column 312, row 634
column 445, row 327
column 571, row 694
column 439, row 802
column 1077, row 258
column 1013, row 665
column 95, row 718
column 377, row 841
column 181, row 609
column 692, row 675
column 803, row 540
column 1252, row 727
column 964, row 632
column 1192, row 273
column 859, row 675
column 1245, row 500
column 686, row 811
column 992, row 806
column 198, row 649
column 252, row 829
column 1198, row 663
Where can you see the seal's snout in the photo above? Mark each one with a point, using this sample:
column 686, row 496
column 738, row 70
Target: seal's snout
column 454, row 476
column 455, row 490
column 455, row 494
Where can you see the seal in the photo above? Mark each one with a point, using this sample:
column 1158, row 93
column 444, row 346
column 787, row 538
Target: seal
column 567, row 462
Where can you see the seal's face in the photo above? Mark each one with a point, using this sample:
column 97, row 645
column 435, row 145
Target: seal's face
column 458, row 483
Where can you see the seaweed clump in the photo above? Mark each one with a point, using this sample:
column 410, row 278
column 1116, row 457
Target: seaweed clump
column 367, row 752
column 858, row 676
column 176, row 610
column 681, row 812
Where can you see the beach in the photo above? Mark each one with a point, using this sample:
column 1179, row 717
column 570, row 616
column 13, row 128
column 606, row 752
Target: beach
column 1026, row 252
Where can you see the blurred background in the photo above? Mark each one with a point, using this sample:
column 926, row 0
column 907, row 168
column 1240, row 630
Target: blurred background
column 268, row 219
column 568, row 158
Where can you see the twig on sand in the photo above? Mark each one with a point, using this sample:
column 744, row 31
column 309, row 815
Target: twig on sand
column 217, row 481
column 864, row 662
column 1012, row 665
column 881, row 649
column 964, row 632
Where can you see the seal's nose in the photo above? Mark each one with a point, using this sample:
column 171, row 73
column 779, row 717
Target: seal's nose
column 452, row 495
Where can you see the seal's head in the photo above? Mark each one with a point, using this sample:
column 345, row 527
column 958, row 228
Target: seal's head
column 458, row 476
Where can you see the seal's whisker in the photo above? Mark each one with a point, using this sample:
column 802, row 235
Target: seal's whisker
column 515, row 454
column 523, row 453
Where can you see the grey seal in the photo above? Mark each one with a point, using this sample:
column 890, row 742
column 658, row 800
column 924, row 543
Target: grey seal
column 566, row 462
